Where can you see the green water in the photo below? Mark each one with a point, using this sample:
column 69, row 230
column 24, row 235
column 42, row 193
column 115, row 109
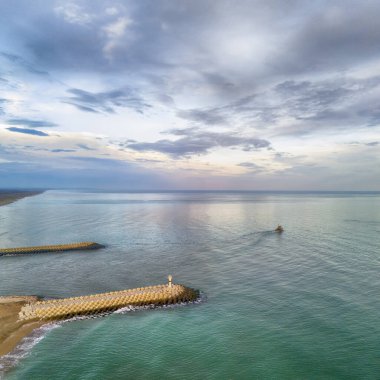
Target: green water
column 301, row 305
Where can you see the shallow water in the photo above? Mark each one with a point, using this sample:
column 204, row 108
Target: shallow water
column 304, row 304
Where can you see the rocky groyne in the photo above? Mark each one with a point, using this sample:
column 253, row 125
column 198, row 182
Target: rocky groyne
column 157, row 295
column 50, row 248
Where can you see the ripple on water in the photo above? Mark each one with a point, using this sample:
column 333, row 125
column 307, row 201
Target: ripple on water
column 303, row 304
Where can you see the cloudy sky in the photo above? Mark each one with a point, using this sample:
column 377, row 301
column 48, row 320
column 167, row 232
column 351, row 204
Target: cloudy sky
column 190, row 94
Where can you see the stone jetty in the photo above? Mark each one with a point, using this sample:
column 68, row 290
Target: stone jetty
column 106, row 302
column 50, row 248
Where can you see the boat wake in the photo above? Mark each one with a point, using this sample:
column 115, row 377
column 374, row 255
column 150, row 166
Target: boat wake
column 253, row 239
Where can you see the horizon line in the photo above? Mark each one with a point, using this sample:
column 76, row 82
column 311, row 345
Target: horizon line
column 119, row 190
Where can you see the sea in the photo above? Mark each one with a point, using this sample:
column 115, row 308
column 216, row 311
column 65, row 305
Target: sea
column 304, row 304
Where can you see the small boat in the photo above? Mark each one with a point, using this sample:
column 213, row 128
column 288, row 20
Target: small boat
column 279, row 229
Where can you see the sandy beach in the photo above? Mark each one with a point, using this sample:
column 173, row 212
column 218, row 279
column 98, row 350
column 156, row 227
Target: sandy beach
column 9, row 196
column 11, row 329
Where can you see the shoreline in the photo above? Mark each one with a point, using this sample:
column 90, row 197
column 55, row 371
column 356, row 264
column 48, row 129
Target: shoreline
column 13, row 330
column 9, row 196
column 24, row 335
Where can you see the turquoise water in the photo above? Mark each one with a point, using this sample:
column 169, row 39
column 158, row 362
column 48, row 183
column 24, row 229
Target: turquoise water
column 301, row 305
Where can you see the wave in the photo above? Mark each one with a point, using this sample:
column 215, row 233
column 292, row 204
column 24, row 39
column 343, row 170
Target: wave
column 201, row 298
column 127, row 309
column 24, row 347
column 370, row 222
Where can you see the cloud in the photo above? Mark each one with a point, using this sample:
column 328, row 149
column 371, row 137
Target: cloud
column 303, row 76
column 333, row 36
column 252, row 168
column 27, row 131
column 105, row 102
column 160, row 36
column 307, row 106
column 85, row 147
column 31, row 123
column 2, row 101
column 62, row 150
column 196, row 142
column 73, row 13
column 115, row 32
column 329, row 104
column 249, row 165
column 208, row 117
column 16, row 59
column 76, row 172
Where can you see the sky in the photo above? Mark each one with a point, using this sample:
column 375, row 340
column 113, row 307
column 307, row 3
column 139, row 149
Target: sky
column 190, row 94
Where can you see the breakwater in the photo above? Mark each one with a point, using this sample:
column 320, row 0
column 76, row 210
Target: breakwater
column 50, row 248
column 105, row 302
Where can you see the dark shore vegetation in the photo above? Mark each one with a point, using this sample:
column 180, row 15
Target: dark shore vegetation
column 9, row 196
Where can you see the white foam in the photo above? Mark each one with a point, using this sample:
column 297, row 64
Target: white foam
column 128, row 309
column 23, row 348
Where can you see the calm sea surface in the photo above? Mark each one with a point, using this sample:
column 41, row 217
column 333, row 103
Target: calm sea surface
column 301, row 305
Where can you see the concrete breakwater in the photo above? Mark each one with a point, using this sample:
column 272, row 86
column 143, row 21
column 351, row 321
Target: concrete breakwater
column 50, row 248
column 105, row 302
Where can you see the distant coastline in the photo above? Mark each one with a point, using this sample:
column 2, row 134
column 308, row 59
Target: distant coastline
column 10, row 196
